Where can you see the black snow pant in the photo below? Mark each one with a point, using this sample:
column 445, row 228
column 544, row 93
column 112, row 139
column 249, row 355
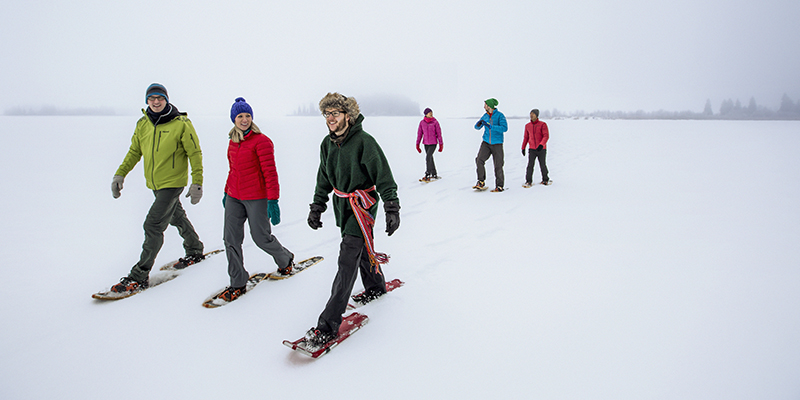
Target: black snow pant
column 165, row 211
column 534, row 155
column 430, row 166
column 353, row 257
column 496, row 151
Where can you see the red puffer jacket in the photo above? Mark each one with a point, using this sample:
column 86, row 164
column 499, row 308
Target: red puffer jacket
column 536, row 133
column 252, row 174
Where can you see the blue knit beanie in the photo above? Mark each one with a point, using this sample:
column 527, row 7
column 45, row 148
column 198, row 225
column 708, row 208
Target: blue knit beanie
column 156, row 89
column 240, row 106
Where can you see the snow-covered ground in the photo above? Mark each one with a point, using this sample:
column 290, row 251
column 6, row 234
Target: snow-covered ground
column 663, row 263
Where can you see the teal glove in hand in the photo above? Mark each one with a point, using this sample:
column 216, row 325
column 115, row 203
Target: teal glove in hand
column 274, row 212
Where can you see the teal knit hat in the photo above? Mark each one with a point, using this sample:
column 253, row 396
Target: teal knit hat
column 492, row 103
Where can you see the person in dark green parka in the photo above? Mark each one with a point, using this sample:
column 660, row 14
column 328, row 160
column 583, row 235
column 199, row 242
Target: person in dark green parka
column 353, row 167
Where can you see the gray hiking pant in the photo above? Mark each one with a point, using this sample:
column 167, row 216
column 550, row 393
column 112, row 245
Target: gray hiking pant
column 534, row 155
column 353, row 257
column 430, row 166
column 496, row 151
column 255, row 212
column 165, row 211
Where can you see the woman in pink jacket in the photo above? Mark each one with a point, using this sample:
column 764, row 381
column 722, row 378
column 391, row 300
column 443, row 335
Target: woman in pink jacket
column 536, row 136
column 251, row 193
column 430, row 134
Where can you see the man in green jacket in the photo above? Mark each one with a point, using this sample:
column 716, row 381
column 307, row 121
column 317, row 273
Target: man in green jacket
column 167, row 141
column 353, row 166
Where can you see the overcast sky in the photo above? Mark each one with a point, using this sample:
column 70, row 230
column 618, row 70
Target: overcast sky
column 448, row 55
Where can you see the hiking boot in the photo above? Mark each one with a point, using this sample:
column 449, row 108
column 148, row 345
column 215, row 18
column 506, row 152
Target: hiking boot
column 231, row 293
column 189, row 260
column 128, row 284
column 426, row 178
column 498, row 189
column 367, row 296
column 287, row 271
column 527, row 185
column 547, row 182
column 481, row 185
column 318, row 338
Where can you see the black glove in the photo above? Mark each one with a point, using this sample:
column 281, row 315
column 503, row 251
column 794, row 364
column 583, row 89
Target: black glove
column 481, row 123
column 523, row 152
column 539, row 148
column 314, row 216
column 392, row 209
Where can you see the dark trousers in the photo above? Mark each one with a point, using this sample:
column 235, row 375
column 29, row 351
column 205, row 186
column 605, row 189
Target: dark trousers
column 534, row 155
column 430, row 167
column 353, row 257
column 165, row 211
column 255, row 212
column 496, row 152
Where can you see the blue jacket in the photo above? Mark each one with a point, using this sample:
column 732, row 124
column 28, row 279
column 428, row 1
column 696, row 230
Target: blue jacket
column 497, row 125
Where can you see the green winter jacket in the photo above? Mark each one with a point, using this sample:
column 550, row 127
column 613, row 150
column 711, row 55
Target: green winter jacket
column 168, row 147
column 358, row 163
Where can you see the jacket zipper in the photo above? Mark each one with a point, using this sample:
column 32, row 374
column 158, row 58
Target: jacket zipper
column 156, row 142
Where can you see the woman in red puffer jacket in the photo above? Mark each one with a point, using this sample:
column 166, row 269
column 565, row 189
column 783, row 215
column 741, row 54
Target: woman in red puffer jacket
column 251, row 193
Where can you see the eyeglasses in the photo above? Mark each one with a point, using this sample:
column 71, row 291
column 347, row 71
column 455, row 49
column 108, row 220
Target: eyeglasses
column 154, row 98
column 334, row 114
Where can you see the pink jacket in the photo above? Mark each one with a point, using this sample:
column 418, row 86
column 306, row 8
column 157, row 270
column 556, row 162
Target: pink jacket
column 536, row 133
column 252, row 174
column 429, row 132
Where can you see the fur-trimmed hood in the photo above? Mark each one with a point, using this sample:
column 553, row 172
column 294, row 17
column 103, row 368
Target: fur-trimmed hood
column 336, row 100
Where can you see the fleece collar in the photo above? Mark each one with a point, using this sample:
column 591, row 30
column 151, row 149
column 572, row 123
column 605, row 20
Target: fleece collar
column 169, row 113
column 237, row 135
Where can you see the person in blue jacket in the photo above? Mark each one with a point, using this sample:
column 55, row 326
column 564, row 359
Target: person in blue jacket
column 494, row 125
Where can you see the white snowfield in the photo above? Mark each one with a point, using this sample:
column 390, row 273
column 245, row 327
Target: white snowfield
column 663, row 263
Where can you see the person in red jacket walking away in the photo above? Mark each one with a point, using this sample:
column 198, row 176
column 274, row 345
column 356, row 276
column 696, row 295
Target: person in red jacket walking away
column 536, row 136
column 251, row 193
column 430, row 134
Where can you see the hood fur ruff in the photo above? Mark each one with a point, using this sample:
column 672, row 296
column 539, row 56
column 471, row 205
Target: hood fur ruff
column 336, row 100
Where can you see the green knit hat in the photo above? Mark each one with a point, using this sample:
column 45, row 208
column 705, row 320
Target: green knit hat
column 492, row 103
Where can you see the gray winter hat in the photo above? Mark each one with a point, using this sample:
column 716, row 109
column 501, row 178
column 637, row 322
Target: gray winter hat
column 156, row 89
column 336, row 100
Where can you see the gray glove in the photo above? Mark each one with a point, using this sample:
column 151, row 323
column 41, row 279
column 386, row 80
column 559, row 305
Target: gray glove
column 196, row 192
column 116, row 185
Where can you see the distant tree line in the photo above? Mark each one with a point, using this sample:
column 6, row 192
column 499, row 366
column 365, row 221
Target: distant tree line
column 52, row 110
column 728, row 110
column 376, row 105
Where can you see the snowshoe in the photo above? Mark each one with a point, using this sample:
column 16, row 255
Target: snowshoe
column 189, row 260
column 231, row 293
column 367, row 296
column 284, row 272
column 318, row 338
column 129, row 285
